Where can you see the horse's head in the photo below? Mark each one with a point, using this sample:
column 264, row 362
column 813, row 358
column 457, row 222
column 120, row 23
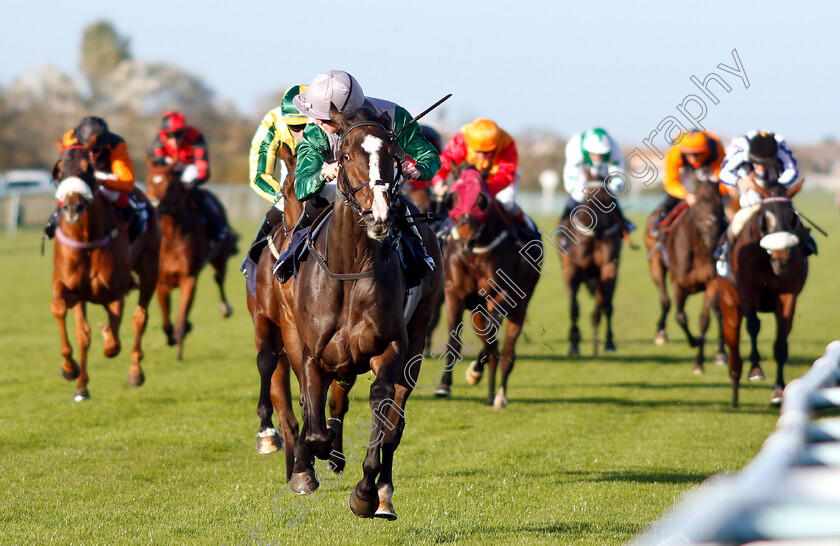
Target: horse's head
column 597, row 216
column 292, row 208
column 777, row 226
column 162, row 185
column 708, row 212
column 366, row 158
column 469, row 204
column 76, row 182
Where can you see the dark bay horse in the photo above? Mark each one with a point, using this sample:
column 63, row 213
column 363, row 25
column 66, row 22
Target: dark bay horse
column 350, row 313
column 769, row 269
column 184, row 250
column 591, row 239
column 686, row 252
column 487, row 274
column 93, row 262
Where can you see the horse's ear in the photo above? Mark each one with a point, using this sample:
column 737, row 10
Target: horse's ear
column 91, row 143
column 482, row 201
column 338, row 119
column 793, row 190
column 288, row 158
column 56, row 172
column 149, row 161
column 59, row 145
column 450, row 201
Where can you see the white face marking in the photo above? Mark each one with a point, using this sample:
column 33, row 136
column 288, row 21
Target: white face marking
column 372, row 145
column 157, row 179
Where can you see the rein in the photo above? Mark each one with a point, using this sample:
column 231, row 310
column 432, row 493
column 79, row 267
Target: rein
column 348, row 193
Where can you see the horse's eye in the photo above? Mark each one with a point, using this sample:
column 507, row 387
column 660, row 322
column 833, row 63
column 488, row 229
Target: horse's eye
column 345, row 157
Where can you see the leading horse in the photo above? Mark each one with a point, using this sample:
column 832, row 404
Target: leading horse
column 184, row 250
column 686, row 251
column 590, row 257
column 350, row 314
column 93, row 262
column 488, row 273
column 769, row 269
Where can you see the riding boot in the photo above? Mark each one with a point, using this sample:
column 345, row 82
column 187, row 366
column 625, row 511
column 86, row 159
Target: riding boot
column 807, row 242
column 217, row 229
column 273, row 217
column 721, row 254
column 52, row 223
column 284, row 266
column 627, row 225
column 660, row 215
column 526, row 229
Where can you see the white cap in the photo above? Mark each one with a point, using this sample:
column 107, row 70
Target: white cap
column 336, row 87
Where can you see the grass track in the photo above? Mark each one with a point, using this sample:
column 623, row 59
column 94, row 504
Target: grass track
column 589, row 451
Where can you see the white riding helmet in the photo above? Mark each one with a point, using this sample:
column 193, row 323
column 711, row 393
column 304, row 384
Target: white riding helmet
column 596, row 141
column 336, row 87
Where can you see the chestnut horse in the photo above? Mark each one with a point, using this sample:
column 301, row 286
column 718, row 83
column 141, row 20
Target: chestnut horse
column 487, row 273
column 184, row 250
column 349, row 309
column 768, row 272
column 686, row 251
column 93, row 262
column 592, row 251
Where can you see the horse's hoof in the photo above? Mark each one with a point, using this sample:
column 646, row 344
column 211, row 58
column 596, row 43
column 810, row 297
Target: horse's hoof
column 362, row 507
column 609, row 348
column 574, row 351
column 268, row 442
column 698, row 369
column 71, row 375
column 443, row 391
column 776, row 398
column 472, row 375
column 226, row 309
column 661, row 338
column 501, row 400
column 135, row 380
column 304, row 483
column 721, row 359
column 81, row 396
column 386, row 507
column 693, row 342
column 756, row 374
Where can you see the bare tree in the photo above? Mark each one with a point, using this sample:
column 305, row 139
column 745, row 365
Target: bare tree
column 102, row 50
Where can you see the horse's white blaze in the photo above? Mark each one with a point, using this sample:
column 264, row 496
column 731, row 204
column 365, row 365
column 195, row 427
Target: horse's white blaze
column 372, row 145
column 73, row 185
column 779, row 240
column 157, row 179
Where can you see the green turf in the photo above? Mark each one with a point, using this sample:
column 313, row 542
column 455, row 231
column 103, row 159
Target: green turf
column 589, row 451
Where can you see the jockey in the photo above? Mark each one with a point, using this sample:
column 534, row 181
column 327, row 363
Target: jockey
column 699, row 153
column 282, row 125
column 492, row 151
column 758, row 159
column 112, row 167
column 593, row 155
column 317, row 168
column 184, row 145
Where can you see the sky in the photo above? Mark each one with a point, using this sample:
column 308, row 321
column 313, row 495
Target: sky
column 529, row 65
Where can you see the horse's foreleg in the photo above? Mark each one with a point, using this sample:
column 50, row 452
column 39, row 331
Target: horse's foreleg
column 393, row 415
column 339, row 404
column 680, row 297
column 720, row 357
column 731, row 327
column 659, row 274
column 574, row 313
column 608, row 289
column 508, row 358
column 314, row 438
column 753, row 327
column 182, row 325
column 488, row 330
column 164, row 292
column 83, row 339
column 268, row 439
column 69, row 368
column 785, row 308
column 452, row 352
column 364, row 499
column 147, row 272
column 596, row 318
column 111, row 329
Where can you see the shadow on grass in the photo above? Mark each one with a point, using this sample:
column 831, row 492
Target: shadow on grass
column 481, row 531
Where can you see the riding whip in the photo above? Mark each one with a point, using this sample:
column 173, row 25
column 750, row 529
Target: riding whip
column 423, row 113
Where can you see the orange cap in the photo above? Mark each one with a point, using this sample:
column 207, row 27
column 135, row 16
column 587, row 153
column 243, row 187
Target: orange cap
column 482, row 135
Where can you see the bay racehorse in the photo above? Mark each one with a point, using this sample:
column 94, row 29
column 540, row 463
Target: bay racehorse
column 350, row 314
column 769, row 269
column 184, row 250
column 685, row 248
column 93, row 262
column 591, row 242
column 489, row 274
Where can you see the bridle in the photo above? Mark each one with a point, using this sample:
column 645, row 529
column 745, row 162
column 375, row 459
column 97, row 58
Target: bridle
column 348, row 192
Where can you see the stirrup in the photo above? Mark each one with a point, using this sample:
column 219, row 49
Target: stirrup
column 283, row 268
